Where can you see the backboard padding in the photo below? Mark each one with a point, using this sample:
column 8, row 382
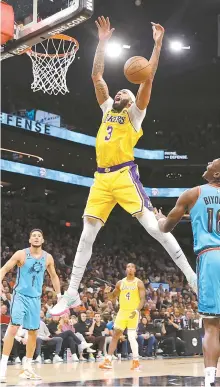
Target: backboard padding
column 78, row 12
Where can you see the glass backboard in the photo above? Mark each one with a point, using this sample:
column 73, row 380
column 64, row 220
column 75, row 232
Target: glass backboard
column 37, row 20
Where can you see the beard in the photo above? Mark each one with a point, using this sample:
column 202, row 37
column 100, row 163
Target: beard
column 119, row 106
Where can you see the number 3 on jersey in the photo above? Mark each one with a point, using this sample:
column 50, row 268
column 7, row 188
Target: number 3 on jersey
column 128, row 296
column 109, row 130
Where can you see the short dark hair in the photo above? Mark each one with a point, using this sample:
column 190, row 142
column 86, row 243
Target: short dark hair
column 36, row 229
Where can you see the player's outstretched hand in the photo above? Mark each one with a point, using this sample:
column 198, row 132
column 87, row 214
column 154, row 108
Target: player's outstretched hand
column 159, row 214
column 104, row 28
column 158, row 33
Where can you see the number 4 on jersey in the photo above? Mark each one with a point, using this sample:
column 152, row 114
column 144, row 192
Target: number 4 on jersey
column 128, row 296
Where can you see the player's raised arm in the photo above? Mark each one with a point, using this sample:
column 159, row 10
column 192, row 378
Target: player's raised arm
column 104, row 33
column 185, row 202
column 53, row 275
column 144, row 92
column 113, row 295
column 16, row 259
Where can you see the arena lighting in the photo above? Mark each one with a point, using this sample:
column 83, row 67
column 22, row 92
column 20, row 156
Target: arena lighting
column 178, row 46
column 114, row 50
column 138, row 3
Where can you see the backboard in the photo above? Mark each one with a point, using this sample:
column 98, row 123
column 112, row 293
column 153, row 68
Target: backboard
column 37, row 20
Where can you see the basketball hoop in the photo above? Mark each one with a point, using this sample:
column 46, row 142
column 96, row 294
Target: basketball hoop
column 51, row 65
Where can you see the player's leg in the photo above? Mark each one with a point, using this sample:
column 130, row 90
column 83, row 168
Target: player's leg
column 208, row 272
column 132, row 324
column 120, row 325
column 149, row 222
column 107, row 364
column 91, row 228
column 99, row 205
column 6, row 351
column 211, row 349
column 31, row 323
column 130, row 194
column 17, row 312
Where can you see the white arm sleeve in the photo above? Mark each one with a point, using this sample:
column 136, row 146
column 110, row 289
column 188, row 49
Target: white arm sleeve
column 136, row 116
column 107, row 105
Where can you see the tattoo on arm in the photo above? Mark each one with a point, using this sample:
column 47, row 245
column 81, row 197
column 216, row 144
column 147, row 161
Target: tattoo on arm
column 98, row 63
column 154, row 60
column 101, row 89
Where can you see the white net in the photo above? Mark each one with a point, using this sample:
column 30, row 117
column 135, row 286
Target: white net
column 51, row 65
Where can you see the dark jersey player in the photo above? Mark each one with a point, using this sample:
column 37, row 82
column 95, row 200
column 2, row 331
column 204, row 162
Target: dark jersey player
column 203, row 203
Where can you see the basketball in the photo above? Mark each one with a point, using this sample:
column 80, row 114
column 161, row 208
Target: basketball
column 137, row 69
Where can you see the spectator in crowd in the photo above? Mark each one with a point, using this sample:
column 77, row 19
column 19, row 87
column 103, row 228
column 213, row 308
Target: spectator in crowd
column 67, row 324
column 44, row 337
column 146, row 337
column 172, row 344
column 70, row 340
column 186, row 320
column 5, row 318
column 97, row 332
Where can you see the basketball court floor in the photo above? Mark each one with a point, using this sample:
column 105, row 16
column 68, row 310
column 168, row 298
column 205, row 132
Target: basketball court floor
column 159, row 372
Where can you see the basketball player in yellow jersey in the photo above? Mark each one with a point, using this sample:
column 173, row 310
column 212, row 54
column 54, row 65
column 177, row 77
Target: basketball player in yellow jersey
column 117, row 178
column 131, row 292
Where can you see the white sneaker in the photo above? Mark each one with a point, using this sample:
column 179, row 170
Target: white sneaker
column 74, row 357
column 90, row 350
column 57, row 359
column 47, row 361
column 85, row 345
column 65, row 303
column 17, row 360
column 38, row 359
column 29, row 373
column 114, row 357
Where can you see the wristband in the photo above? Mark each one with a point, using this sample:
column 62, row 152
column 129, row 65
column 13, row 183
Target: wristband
column 58, row 295
column 136, row 311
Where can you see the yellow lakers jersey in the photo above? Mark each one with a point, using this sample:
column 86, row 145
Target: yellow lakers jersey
column 129, row 298
column 116, row 139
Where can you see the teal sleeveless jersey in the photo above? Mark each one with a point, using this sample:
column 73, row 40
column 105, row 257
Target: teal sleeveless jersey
column 205, row 218
column 30, row 276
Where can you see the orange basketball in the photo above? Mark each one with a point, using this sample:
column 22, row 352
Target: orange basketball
column 137, row 69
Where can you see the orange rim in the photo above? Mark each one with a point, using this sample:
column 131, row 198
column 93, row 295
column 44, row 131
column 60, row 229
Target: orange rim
column 67, row 38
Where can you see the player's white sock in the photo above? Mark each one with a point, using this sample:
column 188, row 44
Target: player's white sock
column 210, row 374
column 3, row 366
column 27, row 363
column 133, row 343
column 149, row 222
column 83, row 254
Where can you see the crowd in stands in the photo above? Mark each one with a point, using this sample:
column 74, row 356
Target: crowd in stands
column 87, row 330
